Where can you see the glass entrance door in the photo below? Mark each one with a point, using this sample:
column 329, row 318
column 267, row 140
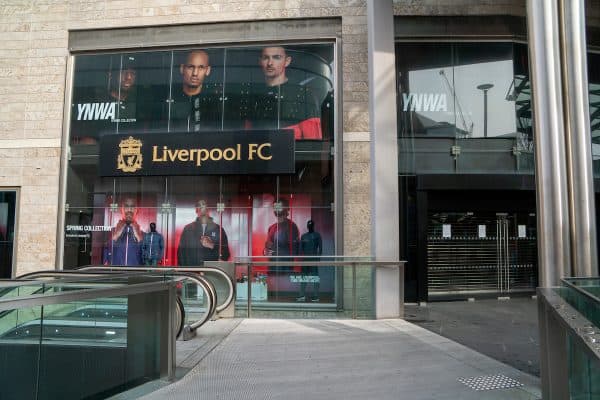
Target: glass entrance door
column 480, row 254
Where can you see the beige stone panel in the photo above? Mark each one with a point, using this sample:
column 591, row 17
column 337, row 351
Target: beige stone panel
column 356, row 121
column 52, row 128
column 14, row 27
column 356, row 86
column 11, row 83
column 47, row 17
column 49, row 43
column 48, row 35
column 354, row 183
column 12, row 129
column 361, row 38
column 357, row 67
column 18, row 36
column 45, row 170
column 49, row 26
column 204, row 9
column 40, row 252
column 23, row 268
column 350, row 95
column 349, row 11
column 16, row 115
column 13, row 108
column 357, row 198
column 43, row 133
column 160, row 3
column 13, row 62
column 79, row 6
column 45, row 152
column 166, row 10
column 354, row 20
column 357, row 240
column 37, row 180
column 56, row 8
column 10, row 156
column 47, row 195
column 48, row 61
column 287, row 4
column 44, row 216
column 48, row 52
column 121, row 4
column 357, row 214
column 353, row 48
column 10, row 72
column 45, row 89
column 354, row 77
column 354, row 57
column 10, row 180
column 55, row 71
column 11, row 53
column 356, row 106
column 16, row 97
column 357, row 152
column 16, row 45
column 13, row 8
column 46, row 107
column 42, row 114
column 356, row 173
column 354, row 29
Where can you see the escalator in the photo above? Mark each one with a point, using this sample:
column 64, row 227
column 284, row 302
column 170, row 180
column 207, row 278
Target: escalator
column 191, row 312
column 86, row 335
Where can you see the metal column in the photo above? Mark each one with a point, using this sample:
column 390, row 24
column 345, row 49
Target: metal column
column 550, row 159
column 578, row 138
column 385, row 215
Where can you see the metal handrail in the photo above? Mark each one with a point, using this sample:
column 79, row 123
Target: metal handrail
column 77, row 295
column 118, row 289
column 580, row 290
column 189, row 329
column 218, row 271
column 53, row 273
column 300, row 261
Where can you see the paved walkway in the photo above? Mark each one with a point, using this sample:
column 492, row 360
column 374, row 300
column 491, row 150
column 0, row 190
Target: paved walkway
column 505, row 330
column 337, row 359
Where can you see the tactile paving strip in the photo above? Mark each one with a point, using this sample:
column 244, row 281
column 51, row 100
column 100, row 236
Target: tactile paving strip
column 490, row 382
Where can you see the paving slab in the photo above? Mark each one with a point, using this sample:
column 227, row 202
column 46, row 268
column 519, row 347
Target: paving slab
column 342, row 359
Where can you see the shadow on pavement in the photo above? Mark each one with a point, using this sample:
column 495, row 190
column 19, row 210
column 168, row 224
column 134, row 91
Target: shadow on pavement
column 506, row 330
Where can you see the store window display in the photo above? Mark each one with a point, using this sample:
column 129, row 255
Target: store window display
column 192, row 94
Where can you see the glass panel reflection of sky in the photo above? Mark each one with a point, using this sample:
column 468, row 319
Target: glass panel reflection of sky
column 432, row 97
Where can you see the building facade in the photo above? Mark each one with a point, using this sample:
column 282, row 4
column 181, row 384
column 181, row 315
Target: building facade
column 81, row 77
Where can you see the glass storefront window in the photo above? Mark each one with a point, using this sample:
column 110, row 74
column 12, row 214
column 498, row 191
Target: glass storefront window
column 148, row 99
column 594, row 93
column 456, row 108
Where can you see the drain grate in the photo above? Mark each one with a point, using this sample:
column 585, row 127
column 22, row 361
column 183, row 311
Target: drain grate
column 490, row 382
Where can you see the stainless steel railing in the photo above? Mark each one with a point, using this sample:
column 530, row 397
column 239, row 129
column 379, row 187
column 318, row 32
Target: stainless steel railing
column 187, row 330
column 570, row 341
column 352, row 263
column 84, row 287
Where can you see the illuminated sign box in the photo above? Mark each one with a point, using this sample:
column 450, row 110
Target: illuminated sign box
column 198, row 153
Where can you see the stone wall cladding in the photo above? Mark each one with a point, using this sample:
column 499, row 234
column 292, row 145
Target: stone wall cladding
column 33, row 59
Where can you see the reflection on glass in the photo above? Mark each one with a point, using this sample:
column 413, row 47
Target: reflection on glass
column 464, row 107
column 204, row 89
